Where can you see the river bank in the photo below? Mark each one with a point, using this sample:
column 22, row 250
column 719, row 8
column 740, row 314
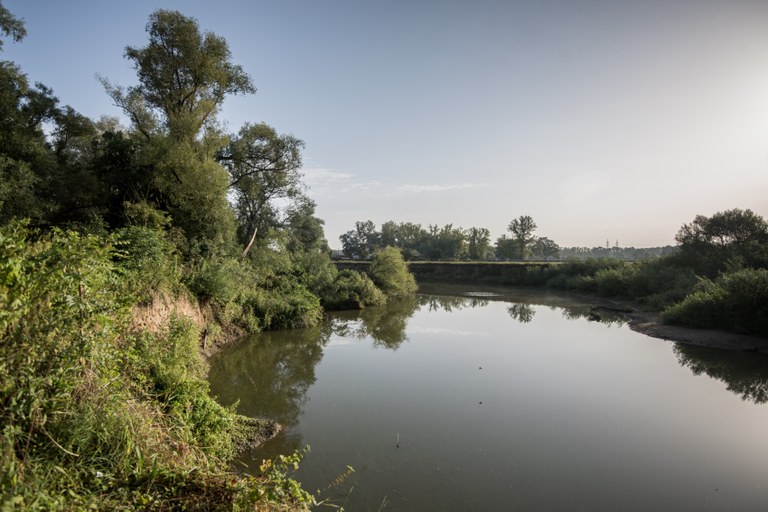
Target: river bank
column 651, row 325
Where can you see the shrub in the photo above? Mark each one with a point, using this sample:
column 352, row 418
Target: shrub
column 351, row 290
column 735, row 301
column 613, row 282
column 579, row 275
column 389, row 272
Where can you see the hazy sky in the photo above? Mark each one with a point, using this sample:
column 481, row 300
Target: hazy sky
column 615, row 120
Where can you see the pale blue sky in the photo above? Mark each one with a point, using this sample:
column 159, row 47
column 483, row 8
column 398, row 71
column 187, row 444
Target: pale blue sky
column 615, row 120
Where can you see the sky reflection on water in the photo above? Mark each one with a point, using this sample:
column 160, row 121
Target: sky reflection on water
column 503, row 402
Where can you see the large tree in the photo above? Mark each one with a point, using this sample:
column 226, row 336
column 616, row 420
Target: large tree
column 361, row 242
column 544, row 248
column 478, row 243
column 45, row 150
column 26, row 159
column 184, row 76
column 522, row 228
column 507, row 248
column 732, row 238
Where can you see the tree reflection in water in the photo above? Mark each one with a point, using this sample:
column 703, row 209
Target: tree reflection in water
column 521, row 312
column 270, row 373
column 386, row 325
column 744, row 373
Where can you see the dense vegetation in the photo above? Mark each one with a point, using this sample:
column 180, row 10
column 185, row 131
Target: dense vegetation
column 718, row 277
column 124, row 251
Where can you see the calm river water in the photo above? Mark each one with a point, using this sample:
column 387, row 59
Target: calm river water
column 482, row 399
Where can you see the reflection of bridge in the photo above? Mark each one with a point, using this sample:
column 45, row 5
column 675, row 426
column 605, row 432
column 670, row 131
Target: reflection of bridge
column 488, row 272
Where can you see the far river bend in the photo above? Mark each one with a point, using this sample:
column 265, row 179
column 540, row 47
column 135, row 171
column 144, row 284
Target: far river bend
column 490, row 399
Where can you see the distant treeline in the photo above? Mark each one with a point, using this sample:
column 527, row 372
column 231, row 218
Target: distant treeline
column 616, row 252
column 474, row 244
column 716, row 276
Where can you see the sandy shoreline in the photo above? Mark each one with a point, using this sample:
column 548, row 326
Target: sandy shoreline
column 650, row 324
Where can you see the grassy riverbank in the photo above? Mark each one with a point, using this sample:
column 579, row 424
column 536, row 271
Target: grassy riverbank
column 102, row 408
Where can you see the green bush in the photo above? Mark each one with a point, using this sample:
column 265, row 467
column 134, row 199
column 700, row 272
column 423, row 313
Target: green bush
column 389, row 272
column 351, row 290
column 658, row 283
column 736, row 301
column 579, row 275
column 613, row 282
column 655, row 283
column 254, row 298
column 289, row 307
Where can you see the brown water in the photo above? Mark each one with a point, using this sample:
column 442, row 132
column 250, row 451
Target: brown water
column 504, row 399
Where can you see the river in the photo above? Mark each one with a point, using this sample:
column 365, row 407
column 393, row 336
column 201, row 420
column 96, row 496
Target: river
column 479, row 399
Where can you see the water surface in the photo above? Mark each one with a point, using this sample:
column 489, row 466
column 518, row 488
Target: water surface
column 498, row 399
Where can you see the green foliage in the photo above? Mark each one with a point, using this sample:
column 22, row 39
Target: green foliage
column 507, row 248
column 351, row 290
column 26, row 161
column 578, row 275
column 448, row 242
column 183, row 73
column 264, row 167
column 727, row 240
column 654, row 283
column 737, row 301
column 361, row 242
column 522, row 228
column 275, row 485
column 94, row 415
column 148, row 261
column 478, row 244
column 254, row 297
column 10, row 26
column 390, row 273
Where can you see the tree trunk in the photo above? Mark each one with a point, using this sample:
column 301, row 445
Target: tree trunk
column 248, row 247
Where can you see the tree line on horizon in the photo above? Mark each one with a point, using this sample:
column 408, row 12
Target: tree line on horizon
column 475, row 244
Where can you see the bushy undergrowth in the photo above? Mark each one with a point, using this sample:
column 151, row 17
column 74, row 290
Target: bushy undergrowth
column 255, row 297
column 737, row 301
column 351, row 290
column 94, row 415
column 655, row 283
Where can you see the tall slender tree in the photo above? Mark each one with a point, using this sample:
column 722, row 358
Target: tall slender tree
column 522, row 228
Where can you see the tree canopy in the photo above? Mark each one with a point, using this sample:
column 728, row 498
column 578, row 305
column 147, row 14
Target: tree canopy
column 184, row 75
column 11, row 26
column 522, row 228
column 732, row 238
